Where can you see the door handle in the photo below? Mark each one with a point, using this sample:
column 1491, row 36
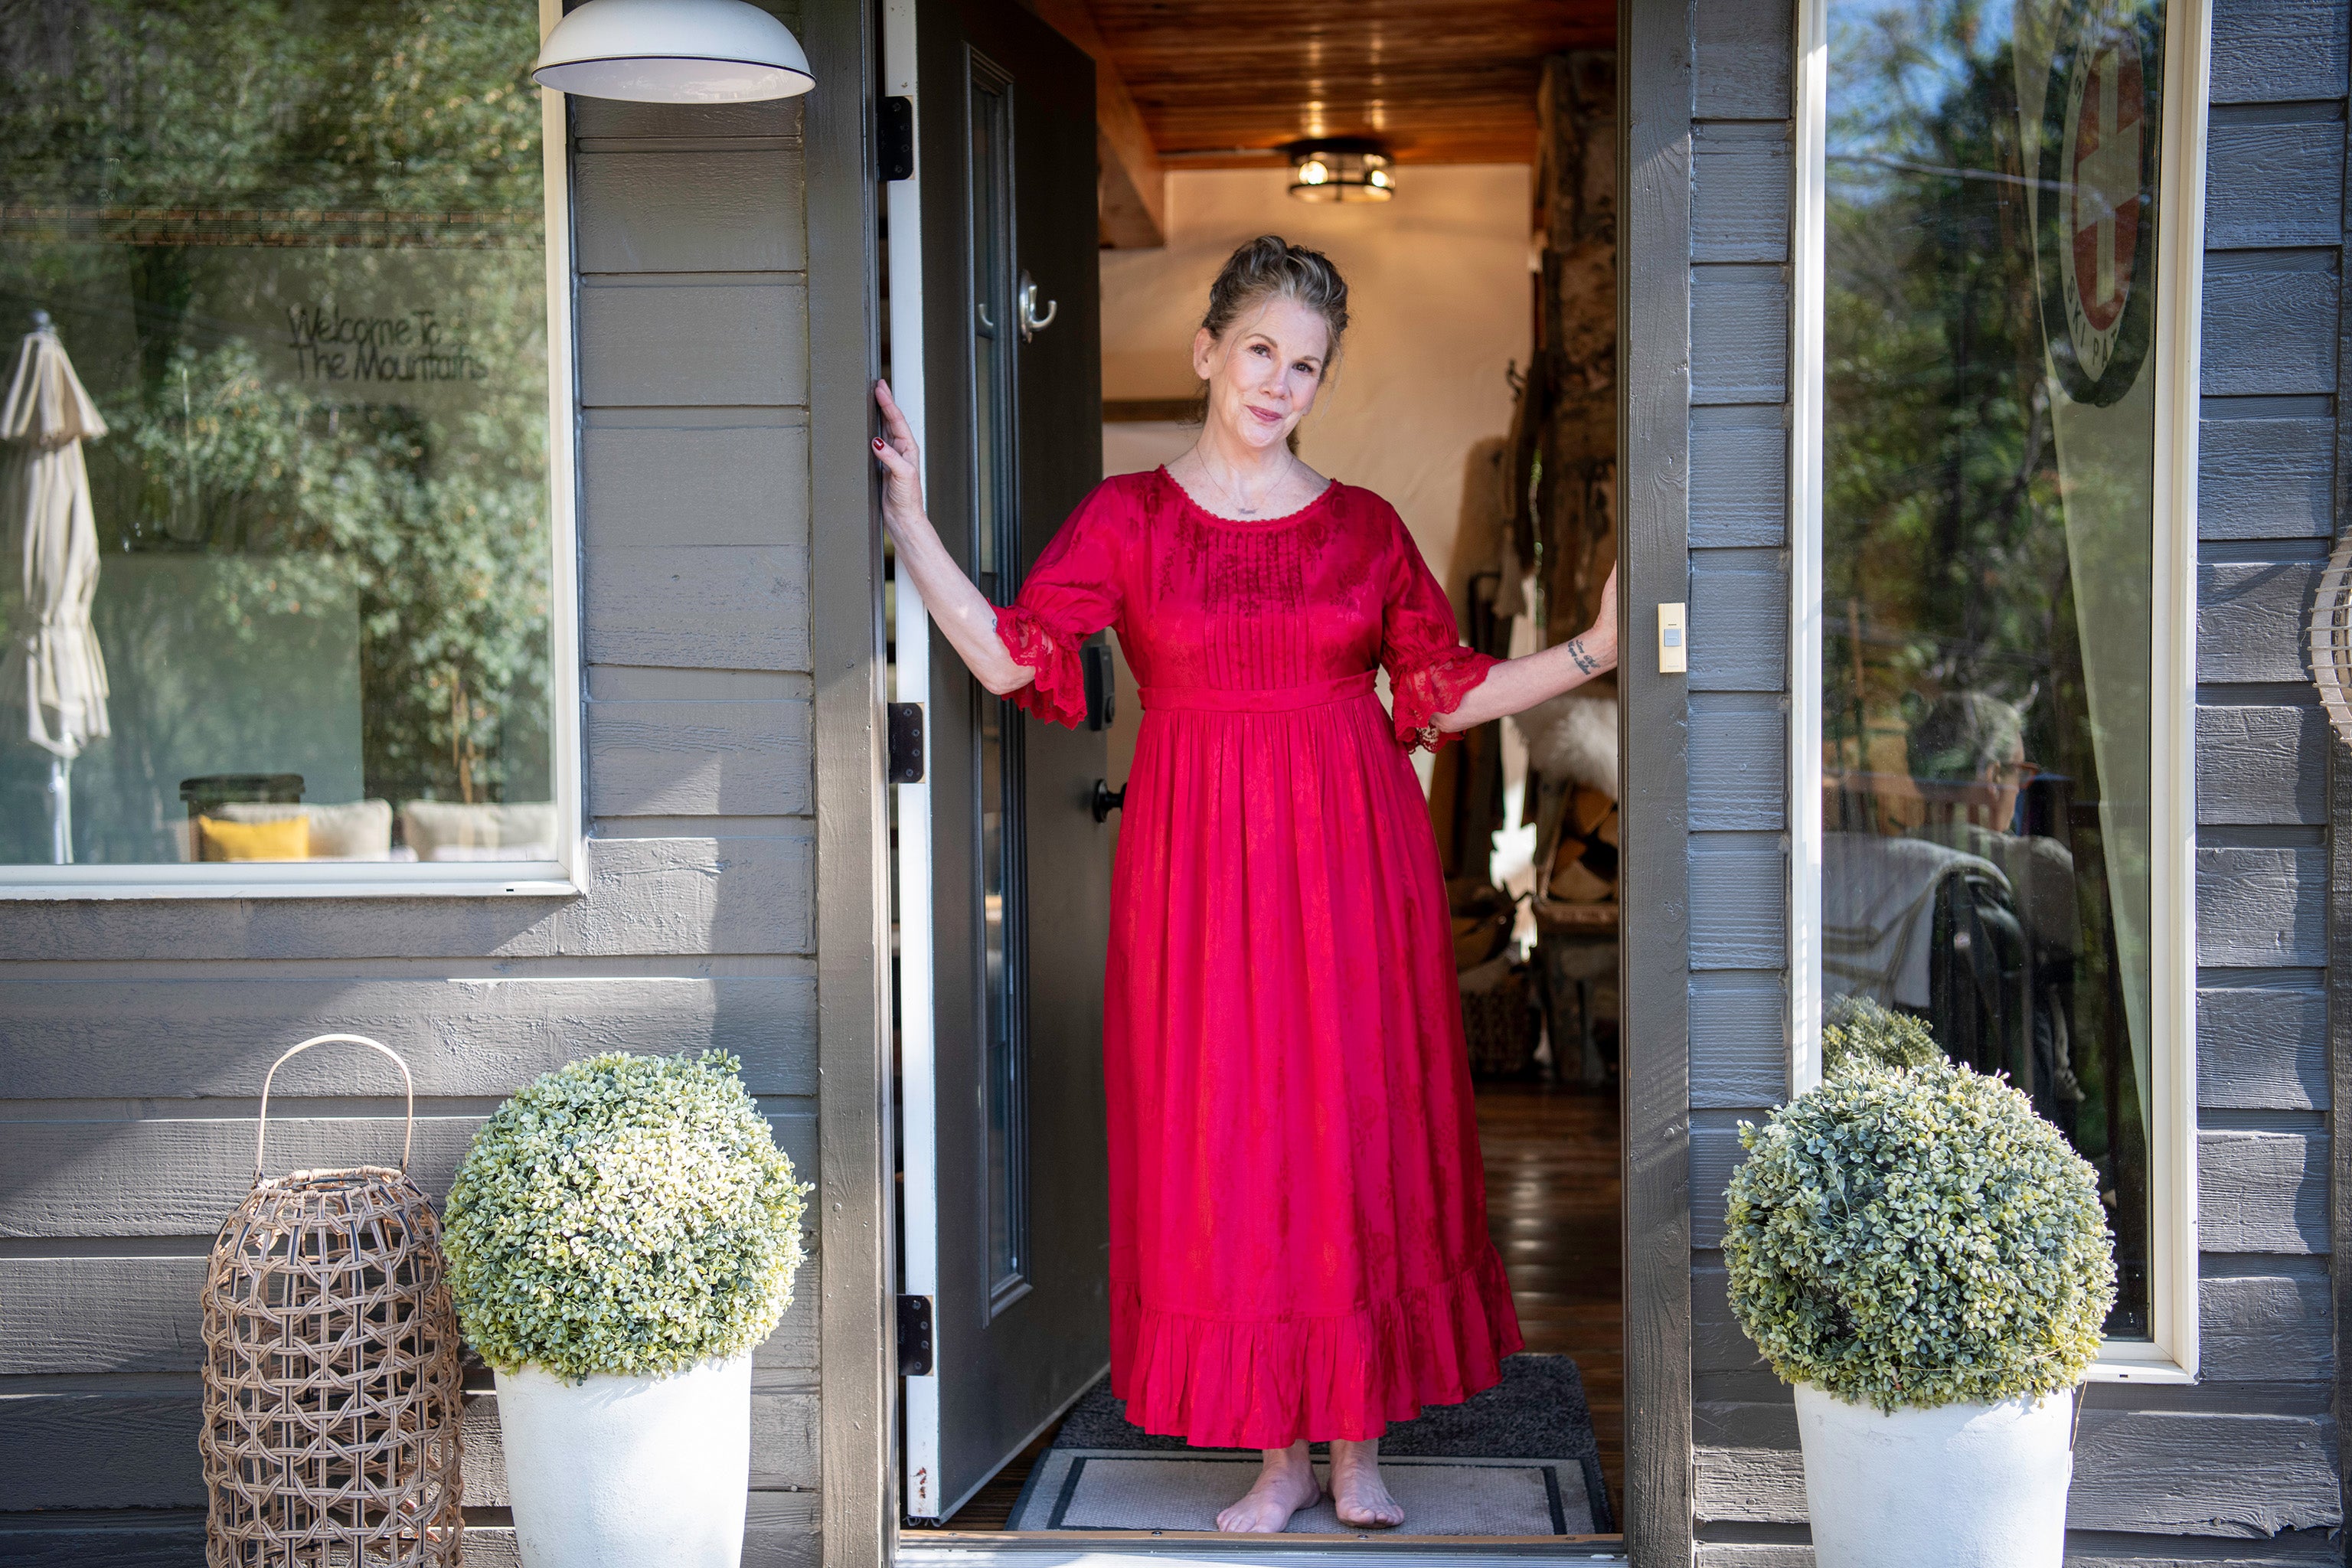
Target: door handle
column 1032, row 324
column 1108, row 800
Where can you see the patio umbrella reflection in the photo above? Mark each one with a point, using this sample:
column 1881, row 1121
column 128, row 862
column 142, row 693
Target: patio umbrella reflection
column 53, row 661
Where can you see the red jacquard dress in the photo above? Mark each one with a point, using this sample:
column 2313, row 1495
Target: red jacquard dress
column 1298, row 1215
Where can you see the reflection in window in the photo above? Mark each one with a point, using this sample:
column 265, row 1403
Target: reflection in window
column 995, row 553
column 294, row 250
column 1988, row 522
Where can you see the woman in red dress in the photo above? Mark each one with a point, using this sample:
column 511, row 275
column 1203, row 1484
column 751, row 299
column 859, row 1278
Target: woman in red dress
column 1298, row 1226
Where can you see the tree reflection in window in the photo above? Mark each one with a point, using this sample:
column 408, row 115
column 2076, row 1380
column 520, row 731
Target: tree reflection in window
column 297, row 251
column 1987, row 551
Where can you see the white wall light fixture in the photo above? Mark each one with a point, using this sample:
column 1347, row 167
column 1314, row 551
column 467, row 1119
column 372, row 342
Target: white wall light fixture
column 673, row 51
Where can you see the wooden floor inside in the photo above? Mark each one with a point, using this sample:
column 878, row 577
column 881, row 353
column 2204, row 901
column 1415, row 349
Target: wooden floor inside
column 1552, row 1206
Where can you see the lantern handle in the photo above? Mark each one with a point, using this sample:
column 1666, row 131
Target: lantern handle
column 261, row 1130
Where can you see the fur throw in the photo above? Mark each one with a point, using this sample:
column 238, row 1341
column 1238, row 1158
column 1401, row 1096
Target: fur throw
column 1573, row 737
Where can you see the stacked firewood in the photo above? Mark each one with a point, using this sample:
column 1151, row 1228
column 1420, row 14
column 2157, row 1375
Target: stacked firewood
column 1584, row 851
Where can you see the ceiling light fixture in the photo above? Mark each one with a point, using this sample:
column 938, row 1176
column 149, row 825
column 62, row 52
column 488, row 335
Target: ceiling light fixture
column 673, row 51
column 1341, row 169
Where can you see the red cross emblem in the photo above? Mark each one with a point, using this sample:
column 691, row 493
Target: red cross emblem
column 2101, row 203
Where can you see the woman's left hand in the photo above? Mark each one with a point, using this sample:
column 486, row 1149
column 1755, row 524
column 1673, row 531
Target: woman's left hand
column 1516, row 685
column 1600, row 639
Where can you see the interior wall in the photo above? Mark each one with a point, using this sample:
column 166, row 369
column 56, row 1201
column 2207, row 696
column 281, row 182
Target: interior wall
column 1438, row 291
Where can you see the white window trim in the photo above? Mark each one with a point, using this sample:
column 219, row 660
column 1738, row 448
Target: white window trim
column 566, row 875
column 2170, row 1355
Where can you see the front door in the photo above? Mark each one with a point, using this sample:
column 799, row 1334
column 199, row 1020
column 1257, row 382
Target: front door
column 1005, row 1208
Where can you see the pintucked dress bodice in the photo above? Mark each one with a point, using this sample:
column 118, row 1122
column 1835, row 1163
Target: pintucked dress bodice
column 1201, row 602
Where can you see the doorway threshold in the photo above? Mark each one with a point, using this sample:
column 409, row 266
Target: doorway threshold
column 1173, row 1549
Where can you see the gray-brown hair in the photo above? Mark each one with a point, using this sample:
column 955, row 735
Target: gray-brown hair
column 1270, row 267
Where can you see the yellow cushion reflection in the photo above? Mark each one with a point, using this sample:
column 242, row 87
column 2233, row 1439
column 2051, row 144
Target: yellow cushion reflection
column 286, row 840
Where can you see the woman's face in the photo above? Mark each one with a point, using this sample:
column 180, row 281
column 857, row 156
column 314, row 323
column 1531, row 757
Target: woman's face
column 1264, row 373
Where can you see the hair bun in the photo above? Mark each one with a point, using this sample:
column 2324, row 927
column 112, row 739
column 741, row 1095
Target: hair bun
column 1271, row 268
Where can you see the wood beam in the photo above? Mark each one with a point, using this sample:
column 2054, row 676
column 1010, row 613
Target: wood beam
column 1130, row 186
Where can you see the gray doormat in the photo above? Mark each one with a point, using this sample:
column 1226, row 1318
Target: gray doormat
column 1531, row 1435
column 1135, row 1489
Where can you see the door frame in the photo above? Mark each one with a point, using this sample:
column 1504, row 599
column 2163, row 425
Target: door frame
column 856, row 1262
column 1655, row 71
column 857, row 1380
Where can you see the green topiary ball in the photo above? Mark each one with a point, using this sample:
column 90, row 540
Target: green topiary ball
column 625, row 1214
column 1918, row 1237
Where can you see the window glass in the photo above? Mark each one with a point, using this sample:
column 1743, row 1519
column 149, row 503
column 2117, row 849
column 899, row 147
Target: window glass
column 287, row 599
column 1989, row 550
column 995, row 522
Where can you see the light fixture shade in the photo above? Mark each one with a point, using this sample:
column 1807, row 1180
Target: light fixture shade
column 673, row 51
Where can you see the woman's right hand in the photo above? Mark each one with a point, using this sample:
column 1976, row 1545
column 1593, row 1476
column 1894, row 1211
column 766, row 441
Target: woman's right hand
column 945, row 593
column 902, row 488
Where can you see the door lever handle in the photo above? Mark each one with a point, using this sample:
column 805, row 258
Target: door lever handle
column 1108, row 800
column 1032, row 324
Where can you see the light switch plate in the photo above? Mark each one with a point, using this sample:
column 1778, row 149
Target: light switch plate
column 1674, row 640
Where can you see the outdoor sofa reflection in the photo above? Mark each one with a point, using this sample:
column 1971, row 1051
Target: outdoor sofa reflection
column 362, row 830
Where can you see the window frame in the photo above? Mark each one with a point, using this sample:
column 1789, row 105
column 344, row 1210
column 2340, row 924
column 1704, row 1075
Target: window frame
column 566, row 875
column 2169, row 1354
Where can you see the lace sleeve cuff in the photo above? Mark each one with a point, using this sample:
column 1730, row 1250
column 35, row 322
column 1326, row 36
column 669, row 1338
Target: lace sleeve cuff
column 1058, row 695
column 1419, row 695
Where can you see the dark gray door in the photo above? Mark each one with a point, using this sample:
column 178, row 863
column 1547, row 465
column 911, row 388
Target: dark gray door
column 1021, row 869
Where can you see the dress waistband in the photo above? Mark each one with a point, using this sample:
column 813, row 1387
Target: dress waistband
column 1280, row 699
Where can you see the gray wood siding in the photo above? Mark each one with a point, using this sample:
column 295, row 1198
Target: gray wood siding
column 1742, row 174
column 133, row 1035
column 2259, row 1434
column 2244, row 1466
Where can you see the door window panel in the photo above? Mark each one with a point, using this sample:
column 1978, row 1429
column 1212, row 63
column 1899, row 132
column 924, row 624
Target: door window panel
column 996, row 555
column 295, row 252
column 1989, row 552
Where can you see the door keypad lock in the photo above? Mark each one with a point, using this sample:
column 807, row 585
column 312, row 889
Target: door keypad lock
column 1102, row 685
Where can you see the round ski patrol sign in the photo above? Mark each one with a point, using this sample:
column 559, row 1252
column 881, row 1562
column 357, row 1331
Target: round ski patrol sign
column 2099, row 135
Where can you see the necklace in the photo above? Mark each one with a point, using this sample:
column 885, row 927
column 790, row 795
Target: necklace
column 1232, row 497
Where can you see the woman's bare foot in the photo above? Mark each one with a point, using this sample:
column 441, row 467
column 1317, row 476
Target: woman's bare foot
column 1356, row 1490
column 1285, row 1486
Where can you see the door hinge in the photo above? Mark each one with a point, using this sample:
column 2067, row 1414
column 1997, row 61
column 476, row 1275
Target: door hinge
column 895, row 139
column 914, row 1336
column 906, row 743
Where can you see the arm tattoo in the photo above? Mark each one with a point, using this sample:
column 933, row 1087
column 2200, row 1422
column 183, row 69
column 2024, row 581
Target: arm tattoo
column 1584, row 661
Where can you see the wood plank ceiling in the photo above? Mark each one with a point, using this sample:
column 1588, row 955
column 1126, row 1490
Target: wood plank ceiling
column 1220, row 83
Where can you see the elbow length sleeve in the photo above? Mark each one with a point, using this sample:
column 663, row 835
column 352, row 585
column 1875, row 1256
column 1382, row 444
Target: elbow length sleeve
column 1430, row 669
column 1071, row 594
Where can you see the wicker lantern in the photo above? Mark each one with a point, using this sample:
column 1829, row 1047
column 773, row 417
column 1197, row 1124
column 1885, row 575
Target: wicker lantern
column 2331, row 638
column 331, row 1396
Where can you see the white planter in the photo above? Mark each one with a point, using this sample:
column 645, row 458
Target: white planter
column 1961, row 1485
column 629, row 1472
